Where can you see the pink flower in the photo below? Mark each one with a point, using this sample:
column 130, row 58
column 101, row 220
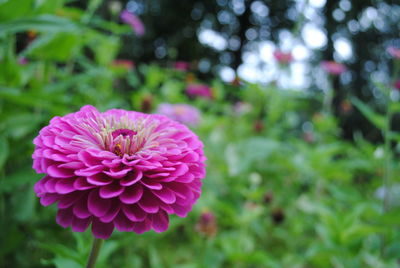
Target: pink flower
column 182, row 113
column 126, row 64
column 181, row 65
column 207, row 224
column 282, row 57
column 397, row 84
column 133, row 21
column 118, row 169
column 199, row 90
column 22, row 61
column 394, row 52
column 240, row 108
column 333, row 67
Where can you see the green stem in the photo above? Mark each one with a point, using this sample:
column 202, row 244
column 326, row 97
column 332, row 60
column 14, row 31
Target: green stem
column 387, row 140
column 388, row 161
column 328, row 96
column 94, row 253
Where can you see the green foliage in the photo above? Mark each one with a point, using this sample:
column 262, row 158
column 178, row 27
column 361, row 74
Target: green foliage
column 323, row 210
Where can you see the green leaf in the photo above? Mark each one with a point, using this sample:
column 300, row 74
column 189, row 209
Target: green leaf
column 48, row 7
column 24, row 201
column 19, row 125
column 60, row 262
column 43, row 23
column 394, row 107
column 154, row 258
column 375, row 118
column 4, row 150
column 10, row 10
column 58, row 46
column 105, row 47
column 19, row 178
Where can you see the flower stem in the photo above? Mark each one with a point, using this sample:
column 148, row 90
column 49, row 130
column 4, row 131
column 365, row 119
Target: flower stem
column 388, row 162
column 328, row 96
column 94, row 253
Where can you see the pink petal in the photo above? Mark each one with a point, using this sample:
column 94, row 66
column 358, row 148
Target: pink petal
column 187, row 178
column 88, row 159
column 68, row 200
column 80, row 225
column 180, row 189
column 97, row 205
column 64, row 217
column 149, row 203
column 112, row 211
column 102, row 230
column 181, row 211
column 114, row 163
column 151, row 185
column 82, row 184
column 180, row 170
column 56, row 172
column 50, row 185
column 111, row 190
column 99, row 179
column 90, row 171
column 131, row 178
column 117, row 173
column 72, row 165
column 80, row 209
column 160, row 221
column 48, row 199
column 165, row 195
column 65, row 186
column 122, row 223
column 141, row 227
column 39, row 186
column 131, row 194
column 167, row 208
column 134, row 213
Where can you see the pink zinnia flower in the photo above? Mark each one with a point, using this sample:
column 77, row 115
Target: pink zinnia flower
column 133, row 21
column 394, row 52
column 199, row 90
column 282, row 57
column 333, row 67
column 181, row 65
column 118, row 169
column 183, row 113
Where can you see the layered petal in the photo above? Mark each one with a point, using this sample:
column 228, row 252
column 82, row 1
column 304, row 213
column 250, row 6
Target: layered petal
column 119, row 170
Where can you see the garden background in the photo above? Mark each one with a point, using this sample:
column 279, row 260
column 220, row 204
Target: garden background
column 297, row 105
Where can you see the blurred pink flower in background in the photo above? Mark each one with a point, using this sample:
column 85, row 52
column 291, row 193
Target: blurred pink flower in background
column 182, row 65
column 240, row 108
column 126, row 64
column 282, row 57
column 394, row 52
column 118, row 169
column 22, row 61
column 199, row 90
column 183, row 113
column 333, row 67
column 397, row 84
column 133, row 21
column 207, row 224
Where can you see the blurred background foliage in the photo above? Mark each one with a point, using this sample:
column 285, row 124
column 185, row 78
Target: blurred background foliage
column 288, row 184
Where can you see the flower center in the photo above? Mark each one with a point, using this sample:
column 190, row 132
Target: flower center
column 126, row 133
column 123, row 139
